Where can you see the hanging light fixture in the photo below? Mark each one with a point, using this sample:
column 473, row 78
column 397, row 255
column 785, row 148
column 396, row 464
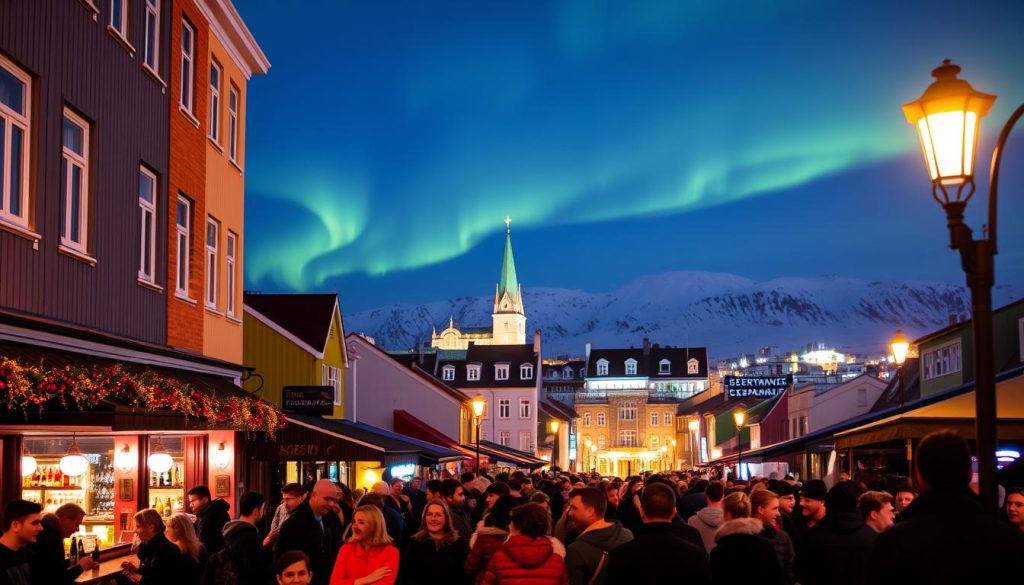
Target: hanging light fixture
column 159, row 459
column 124, row 460
column 28, row 463
column 73, row 463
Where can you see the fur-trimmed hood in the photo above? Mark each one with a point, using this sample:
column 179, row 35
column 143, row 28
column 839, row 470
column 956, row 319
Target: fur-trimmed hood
column 489, row 531
column 751, row 526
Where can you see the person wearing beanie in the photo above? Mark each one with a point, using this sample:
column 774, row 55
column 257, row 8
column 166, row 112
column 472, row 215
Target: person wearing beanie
column 836, row 549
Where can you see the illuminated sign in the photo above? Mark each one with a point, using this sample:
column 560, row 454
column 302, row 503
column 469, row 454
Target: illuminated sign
column 756, row 386
column 310, row 400
column 404, row 470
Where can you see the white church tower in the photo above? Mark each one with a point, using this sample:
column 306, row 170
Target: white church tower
column 508, row 317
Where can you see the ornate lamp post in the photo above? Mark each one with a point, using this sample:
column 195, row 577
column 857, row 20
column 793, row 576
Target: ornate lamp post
column 738, row 416
column 479, row 405
column 947, row 117
column 899, row 346
column 553, row 425
column 694, row 426
column 673, row 453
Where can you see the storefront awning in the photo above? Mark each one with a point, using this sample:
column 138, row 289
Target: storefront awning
column 411, row 426
column 502, row 454
column 398, row 449
column 305, row 440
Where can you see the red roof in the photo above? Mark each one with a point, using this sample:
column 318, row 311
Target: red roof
column 408, row 424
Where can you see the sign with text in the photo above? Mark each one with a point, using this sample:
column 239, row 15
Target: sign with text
column 311, row 400
column 756, row 386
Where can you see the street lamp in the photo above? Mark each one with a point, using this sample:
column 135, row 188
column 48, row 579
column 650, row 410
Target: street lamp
column 590, row 451
column 738, row 416
column 947, row 116
column 899, row 346
column 479, row 405
column 664, row 456
column 553, row 425
column 694, row 426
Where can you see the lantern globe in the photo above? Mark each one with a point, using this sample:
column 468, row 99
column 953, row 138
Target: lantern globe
column 73, row 463
column 553, row 424
column 899, row 347
column 28, row 465
column 478, row 405
column 739, row 416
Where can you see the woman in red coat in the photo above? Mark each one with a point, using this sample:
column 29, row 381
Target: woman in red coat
column 488, row 538
column 527, row 558
column 367, row 558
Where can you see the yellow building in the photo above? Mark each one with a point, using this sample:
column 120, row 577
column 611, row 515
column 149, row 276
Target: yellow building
column 294, row 340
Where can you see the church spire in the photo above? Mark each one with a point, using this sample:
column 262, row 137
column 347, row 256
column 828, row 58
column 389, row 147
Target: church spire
column 509, row 283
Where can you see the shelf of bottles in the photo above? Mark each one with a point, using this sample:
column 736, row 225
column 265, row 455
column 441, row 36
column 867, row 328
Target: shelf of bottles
column 167, row 489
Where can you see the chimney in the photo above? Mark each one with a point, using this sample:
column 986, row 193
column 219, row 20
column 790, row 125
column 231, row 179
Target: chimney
column 419, row 351
column 587, row 355
column 536, row 341
column 953, row 318
column 647, row 346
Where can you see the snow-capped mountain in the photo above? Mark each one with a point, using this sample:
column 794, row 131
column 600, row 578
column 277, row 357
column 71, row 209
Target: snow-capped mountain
column 728, row 314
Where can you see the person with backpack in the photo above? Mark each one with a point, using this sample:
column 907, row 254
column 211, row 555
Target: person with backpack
column 240, row 559
column 587, row 556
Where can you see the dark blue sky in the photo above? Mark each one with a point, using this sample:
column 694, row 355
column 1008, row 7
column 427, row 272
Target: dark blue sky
column 390, row 139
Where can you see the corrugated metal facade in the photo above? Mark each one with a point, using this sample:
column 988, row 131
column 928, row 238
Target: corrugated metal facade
column 75, row 62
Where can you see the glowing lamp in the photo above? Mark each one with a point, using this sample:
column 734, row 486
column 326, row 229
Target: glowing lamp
column 739, row 416
column 221, row 458
column 73, row 463
column 947, row 116
column 479, row 405
column 694, row 424
column 124, row 460
column 159, row 459
column 664, row 448
column 899, row 346
column 553, row 424
column 28, row 464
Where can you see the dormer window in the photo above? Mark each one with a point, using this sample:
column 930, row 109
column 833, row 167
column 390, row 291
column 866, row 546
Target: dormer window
column 631, row 367
column 692, row 366
column 473, row 372
column 448, row 373
column 664, row 367
column 526, row 372
column 602, row 367
column 501, row 371
column 553, row 374
column 567, row 373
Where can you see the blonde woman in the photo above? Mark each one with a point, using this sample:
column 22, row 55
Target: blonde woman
column 740, row 555
column 367, row 556
column 435, row 555
column 159, row 558
column 181, row 532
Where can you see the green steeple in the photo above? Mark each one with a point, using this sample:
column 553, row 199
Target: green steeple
column 509, row 283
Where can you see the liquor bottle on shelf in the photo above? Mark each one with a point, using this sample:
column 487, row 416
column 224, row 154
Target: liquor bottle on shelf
column 73, row 553
column 81, row 549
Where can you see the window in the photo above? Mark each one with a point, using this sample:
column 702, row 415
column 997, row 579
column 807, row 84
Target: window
column 147, row 225
column 448, row 373
column 525, row 444
column 602, row 442
column 183, row 228
column 942, row 361
column 654, row 419
column 668, row 419
column 75, row 179
column 473, row 373
column 233, row 124
column 602, row 367
column 212, row 242
column 524, row 408
column 501, row 371
column 503, row 408
column 664, row 367
column 586, row 419
column 627, row 411
column 119, row 17
column 631, row 367
column 505, row 438
column 627, row 439
column 232, row 279
column 654, row 442
column 323, row 374
column 567, row 373
column 334, row 382
column 215, row 75
column 152, row 48
column 692, row 366
column 600, row 419
column 526, row 372
column 15, row 113
column 188, row 53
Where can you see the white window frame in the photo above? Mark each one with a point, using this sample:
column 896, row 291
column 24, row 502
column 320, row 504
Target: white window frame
column 655, row 442
column 234, row 97
column 472, row 373
column 501, row 372
column 627, row 439
column 232, row 266
column 526, row 372
column 524, row 408
column 72, row 158
column 631, row 367
column 448, row 373
column 943, row 360
column 123, row 31
column 586, row 419
column 664, row 367
column 215, row 89
column 212, row 261
column 668, row 419
column 602, row 367
column 188, row 69
column 602, row 442
column 505, row 438
column 567, row 373
column 147, row 223
column 504, row 408
column 22, row 120
column 152, row 53
column 692, row 366
column 334, row 381
column 525, row 441
column 183, row 239
column 627, row 411
column 655, row 418
column 601, row 419
column 323, row 374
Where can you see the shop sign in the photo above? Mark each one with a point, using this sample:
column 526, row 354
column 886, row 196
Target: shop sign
column 304, row 451
column 404, row 470
column 309, row 400
column 756, row 386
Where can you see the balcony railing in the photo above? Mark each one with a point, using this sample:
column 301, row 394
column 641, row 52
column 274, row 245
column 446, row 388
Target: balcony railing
column 653, row 396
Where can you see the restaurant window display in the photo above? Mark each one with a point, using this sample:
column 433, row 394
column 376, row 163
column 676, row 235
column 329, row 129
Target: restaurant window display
column 166, row 473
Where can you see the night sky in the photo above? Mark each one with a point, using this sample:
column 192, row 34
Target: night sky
column 390, row 139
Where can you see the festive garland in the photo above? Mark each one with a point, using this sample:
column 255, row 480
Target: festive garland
column 28, row 387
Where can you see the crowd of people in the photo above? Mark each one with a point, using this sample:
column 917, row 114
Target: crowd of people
column 557, row 528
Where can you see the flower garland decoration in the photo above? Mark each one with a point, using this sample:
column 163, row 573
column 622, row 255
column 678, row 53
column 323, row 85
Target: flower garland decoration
column 31, row 387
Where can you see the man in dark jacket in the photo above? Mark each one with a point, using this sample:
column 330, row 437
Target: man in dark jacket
column 211, row 516
column 454, row 495
column 836, row 550
column 583, row 558
column 764, row 506
column 656, row 554
column 945, row 536
column 242, row 552
column 22, row 524
column 315, row 529
column 49, row 565
column 693, row 501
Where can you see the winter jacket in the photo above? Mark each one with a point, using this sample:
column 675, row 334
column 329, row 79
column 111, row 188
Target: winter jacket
column 706, row 521
column 688, row 533
column 526, row 561
column 690, row 504
column 241, row 554
column 159, row 561
column 301, row 531
column 482, row 546
column 423, row 563
column 48, row 564
column 741, row 557
column 783, row 546
column 656, row 555
column 584, row 555
column 946, row 537
column 836, row 550
column 460, row 522
column 355, row 562
column 210, row 521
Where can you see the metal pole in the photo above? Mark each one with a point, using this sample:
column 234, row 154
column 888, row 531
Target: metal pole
column 739, row 455
column 554, row 451
column 478, row 445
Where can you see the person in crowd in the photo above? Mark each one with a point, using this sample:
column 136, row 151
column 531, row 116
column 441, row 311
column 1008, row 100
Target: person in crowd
column 527, row 556
column 694, row 499
column 314, row 529
column 491, row 495
column 544, row 501
column 1015, row 507
column 515, row 488
column 614, row 496
column 628, row 513
column 182, row 533
column 211, row 516
column 22, row 523
column 242, row 552
column 944, row 535
column 414, row 491
column 740, row 554
column 679, row 526
column 489, row 537
column 812, row 502
column 346, row 503
column 394, row 524
column 292, row 568
column 434, row 489
column 656, row 554
column 159, row 559
column 876, row 510
column 454, row 496
column 904, row 496
column 764, row 506
column 585, row 558
column 708, row 519
column 836, row 550
column 473, row 487
column 292, row 495
column 787, row 506
column 435, row 555
column 368, row 556
column 399, row 500
column 48, row 564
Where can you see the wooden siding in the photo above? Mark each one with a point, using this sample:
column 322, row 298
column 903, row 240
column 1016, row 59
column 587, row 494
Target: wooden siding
column 74, row 61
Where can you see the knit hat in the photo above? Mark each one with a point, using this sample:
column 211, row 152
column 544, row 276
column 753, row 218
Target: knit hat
column 814, row 489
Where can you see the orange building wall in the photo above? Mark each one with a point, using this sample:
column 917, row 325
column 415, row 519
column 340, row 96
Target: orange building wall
column 187, row 175
column 222, row 334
